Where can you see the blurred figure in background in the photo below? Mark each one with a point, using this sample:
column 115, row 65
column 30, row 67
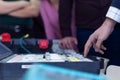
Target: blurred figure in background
column 90, row 15
column 49, row 15
column 103, row 34
column 16, row 16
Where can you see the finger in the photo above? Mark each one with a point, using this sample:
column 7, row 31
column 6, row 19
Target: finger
column 75, row 41
column 74, row 44
column 69, row 44
column 99, row 50
column 98, row 44
column 103, row 47
column 65, row 44
column 99, row 47
column 62, row 43
column 88, row 45
column 75, row 48
column 86, row 49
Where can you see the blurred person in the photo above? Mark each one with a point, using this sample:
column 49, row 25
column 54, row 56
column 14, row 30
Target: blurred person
column 103, row 34
column 16, row 16
column 90, row 15
column 47, row 24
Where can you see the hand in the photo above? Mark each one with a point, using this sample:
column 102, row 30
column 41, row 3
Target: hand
column 69, row 43
column 97, row 38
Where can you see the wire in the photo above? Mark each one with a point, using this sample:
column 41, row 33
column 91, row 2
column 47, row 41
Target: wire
column 21, row 44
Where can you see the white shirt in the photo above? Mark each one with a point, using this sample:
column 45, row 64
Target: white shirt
column 114, row 13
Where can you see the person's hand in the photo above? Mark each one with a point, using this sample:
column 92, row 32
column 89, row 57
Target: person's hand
column 68, row 43
column 97, row 38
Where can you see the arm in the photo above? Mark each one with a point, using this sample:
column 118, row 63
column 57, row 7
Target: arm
column 31, row 10
column 7, row 7
column 102, row 33
column 97, row 38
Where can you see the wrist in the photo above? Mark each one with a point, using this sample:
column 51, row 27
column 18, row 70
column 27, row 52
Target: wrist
column 109, row 23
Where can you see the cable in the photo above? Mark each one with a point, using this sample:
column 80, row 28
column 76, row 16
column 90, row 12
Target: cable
column 21, row 43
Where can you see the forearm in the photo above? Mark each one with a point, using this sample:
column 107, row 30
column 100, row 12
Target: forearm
column 7, row 7
column 31, row 10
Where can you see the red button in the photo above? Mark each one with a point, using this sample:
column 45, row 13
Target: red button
column 43, row 44
column 6, row 37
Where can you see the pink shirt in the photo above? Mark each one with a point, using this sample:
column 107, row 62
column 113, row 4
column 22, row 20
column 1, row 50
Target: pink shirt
column 50, row 18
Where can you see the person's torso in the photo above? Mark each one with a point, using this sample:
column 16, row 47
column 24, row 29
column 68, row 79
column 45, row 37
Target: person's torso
column 6, row 20
column 91, row 13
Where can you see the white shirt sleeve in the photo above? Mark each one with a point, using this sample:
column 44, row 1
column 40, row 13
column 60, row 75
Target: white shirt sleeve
column 114, row 13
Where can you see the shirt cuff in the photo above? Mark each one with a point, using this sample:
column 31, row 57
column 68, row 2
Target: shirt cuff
column 114, row 13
